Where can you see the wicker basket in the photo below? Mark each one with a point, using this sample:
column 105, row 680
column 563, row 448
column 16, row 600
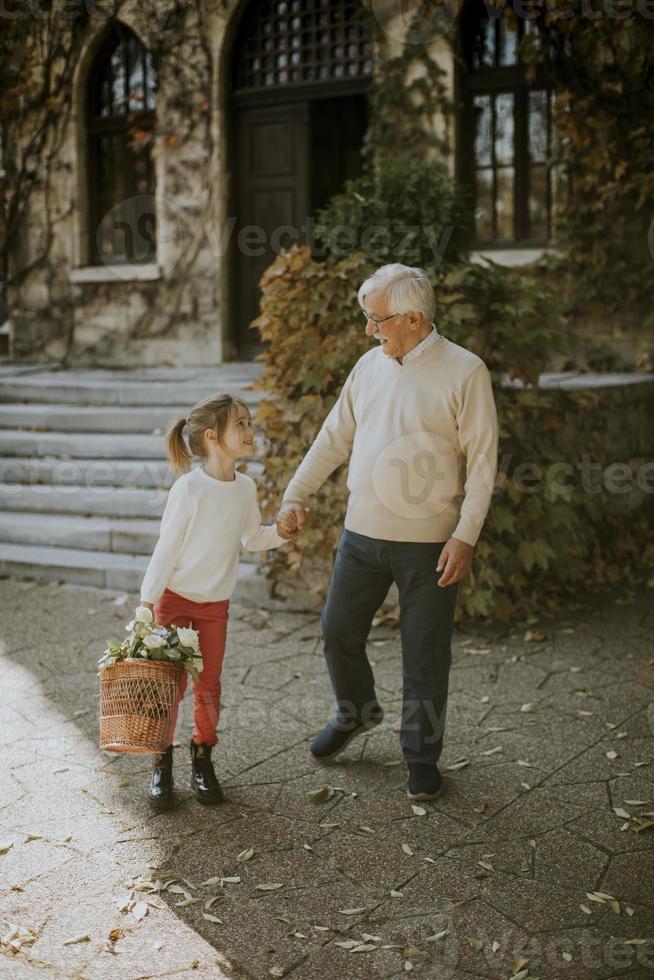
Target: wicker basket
column 137, row 698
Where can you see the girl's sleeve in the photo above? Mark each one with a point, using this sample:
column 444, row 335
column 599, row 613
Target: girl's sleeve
column 256, row 536
column 174, row 524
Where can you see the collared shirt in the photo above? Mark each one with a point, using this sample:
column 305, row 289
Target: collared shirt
column 430, row 339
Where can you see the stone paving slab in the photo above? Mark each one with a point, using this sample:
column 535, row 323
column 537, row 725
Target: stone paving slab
column 544, row 742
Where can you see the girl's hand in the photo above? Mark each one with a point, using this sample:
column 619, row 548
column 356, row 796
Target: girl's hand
column 148, row 605
column 286, row 524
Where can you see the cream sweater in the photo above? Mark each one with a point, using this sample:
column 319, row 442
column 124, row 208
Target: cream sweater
column 422, row 440
column 204, row 522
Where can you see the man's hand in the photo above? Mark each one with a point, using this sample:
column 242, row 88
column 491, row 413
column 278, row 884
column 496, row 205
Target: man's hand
column 455, row 559
column 295, row 507
column 286, row 523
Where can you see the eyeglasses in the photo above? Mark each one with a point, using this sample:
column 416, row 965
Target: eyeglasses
column 366, row 317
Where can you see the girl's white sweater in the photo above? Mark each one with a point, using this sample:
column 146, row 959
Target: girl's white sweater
column 204, row 523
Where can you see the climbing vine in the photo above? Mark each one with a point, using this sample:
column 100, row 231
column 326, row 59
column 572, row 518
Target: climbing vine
column 39, row 57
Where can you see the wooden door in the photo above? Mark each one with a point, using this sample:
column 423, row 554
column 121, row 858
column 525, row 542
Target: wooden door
column 271, row 192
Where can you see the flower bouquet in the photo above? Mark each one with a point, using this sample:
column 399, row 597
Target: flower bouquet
column 140, row 682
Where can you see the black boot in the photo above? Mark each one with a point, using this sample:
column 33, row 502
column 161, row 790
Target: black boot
column 204, row 783
column 160, row 792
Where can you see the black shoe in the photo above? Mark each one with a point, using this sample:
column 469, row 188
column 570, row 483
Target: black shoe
column 425, row 781
column 337, row 735
column 204, row 783
column 160, row 791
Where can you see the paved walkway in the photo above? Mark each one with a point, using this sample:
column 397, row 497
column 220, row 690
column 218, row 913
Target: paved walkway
column 535, row 862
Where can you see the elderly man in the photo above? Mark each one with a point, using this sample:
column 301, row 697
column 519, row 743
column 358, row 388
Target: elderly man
column 417, row 418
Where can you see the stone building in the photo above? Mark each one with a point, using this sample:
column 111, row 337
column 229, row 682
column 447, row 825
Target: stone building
column 194, row 140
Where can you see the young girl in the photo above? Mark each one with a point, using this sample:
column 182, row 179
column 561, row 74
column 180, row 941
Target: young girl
column 210, row 510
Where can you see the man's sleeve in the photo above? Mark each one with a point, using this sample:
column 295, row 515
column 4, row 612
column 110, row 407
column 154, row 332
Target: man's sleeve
column 478, row 437
column 330, row 448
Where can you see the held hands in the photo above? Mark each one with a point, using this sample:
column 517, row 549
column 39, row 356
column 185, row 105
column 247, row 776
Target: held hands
column 455, row 561
column 286, row 525
column 290, row 519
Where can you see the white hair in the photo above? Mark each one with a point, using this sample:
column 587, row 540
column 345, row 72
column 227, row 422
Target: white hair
column 405, row 288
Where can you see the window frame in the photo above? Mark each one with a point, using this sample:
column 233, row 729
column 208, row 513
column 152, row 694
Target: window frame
column 492, row 81
column 98, row 128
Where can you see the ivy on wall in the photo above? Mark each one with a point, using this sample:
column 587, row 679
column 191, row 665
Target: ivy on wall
column 604, row 72
column 40, row 51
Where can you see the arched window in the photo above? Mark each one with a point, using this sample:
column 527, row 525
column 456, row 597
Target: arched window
column 286, row 42
column 120, row 104
column 508, row 144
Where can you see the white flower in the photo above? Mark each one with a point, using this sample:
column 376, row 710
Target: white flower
column 130, row 626
column 188, row 638
column 152, row 642
column 143, row 614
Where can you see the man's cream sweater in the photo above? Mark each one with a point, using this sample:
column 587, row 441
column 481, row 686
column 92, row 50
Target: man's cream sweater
column 422, row 440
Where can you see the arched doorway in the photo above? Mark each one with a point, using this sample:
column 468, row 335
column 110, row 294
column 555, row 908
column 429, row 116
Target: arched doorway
column 300, row 73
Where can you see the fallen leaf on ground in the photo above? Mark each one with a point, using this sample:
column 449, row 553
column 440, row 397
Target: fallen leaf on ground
column 321, row 795
column 113, row 937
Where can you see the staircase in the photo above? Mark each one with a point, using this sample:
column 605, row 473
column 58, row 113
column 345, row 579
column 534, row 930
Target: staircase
column 83, row 469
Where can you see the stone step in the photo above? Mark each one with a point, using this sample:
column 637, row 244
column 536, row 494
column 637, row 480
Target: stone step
column 107, row 501
column 82, row 445
column 87, row 445
column 111, row 534
column 85, row 418
column 84, row 501
column 172, row 387
column 103, row 569
column 91, row 473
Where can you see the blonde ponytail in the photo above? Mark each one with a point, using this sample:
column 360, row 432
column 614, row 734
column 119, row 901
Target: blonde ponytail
column 212, row 413
column 177, row 451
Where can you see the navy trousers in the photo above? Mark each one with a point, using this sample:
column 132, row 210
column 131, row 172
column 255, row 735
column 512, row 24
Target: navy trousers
column 364, row 569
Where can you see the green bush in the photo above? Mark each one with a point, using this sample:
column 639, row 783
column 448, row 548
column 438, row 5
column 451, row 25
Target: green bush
column 536, row 547
column 406, row 211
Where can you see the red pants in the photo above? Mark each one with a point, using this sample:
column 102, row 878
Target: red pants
column 210, row 620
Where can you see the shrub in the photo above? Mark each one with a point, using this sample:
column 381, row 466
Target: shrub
column 407, row 210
